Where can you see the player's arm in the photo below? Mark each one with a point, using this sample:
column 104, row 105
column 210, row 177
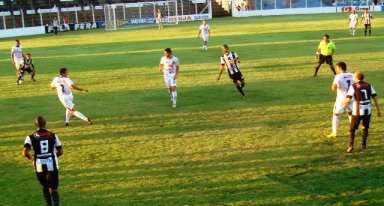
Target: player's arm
column 198, row 34
column 12, row 57
column 376, row 100
column 27, row 154
column 161, row 67
column 78, row 88
column 334, row 87
column 318, row 52
column 59, row 151
column 220, row 72
column 209, row 32
column 177, row 72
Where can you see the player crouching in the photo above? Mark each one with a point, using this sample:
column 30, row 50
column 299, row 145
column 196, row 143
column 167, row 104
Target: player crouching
column 28, row 67
column 230, row 60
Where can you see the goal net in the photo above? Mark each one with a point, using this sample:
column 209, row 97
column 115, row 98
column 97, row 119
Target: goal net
column 126, row 15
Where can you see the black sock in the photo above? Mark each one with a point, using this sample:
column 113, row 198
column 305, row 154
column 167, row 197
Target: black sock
column 55, row 198
column 19, row 78
column 364, row 136
column 370, row 32
column 365, row 31
column 240, row 90
column 47, row 196
column 316, row 70
column 333, row 69
column 351, row 137
column 242, row 85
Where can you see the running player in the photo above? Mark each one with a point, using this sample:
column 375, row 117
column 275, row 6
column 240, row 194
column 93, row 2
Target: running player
column 17, row 60
column 169, row 64
column 362, row 92
column 230, row 61
column 324, row 53
column 63, row 85
column 205, row 32
column 341, row 84
column 353, row 20
column 367, row 17
column 28, row 67
column 159, row 18
column 45, row 159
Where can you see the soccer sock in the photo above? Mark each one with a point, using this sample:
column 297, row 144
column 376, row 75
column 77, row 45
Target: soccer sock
column 365, row 31
column 174, row 95
column 240, row 90
column 81, row 116
column 333, row 69
column 47, row 196
column 19, row 78
column 242, row 85
column 349, row 118
column 316, row 70
column 351, row 137
column 353, row 32
column 350, row 31
column 335, row 124
column 370, row 32
column 364, row 136
column 67, row 115
column 55, row 198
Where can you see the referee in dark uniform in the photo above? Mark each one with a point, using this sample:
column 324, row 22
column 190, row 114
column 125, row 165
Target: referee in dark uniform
column 362, row 92
column 45, row 160
column 324, row 53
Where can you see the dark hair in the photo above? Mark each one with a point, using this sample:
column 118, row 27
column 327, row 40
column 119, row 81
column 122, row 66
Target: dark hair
column 342, row 66
column 40, row 122
column 28, row 54
column 17, row 40
column 226, row 46
column 326, row 35
column 63, row 70
column 359, row 76
column 168, row 50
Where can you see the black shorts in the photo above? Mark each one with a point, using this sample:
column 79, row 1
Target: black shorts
column 29, row 70
column 328, row 59
column 49, row 179
column 367, row 26
column 355, row 122
column 236, row 77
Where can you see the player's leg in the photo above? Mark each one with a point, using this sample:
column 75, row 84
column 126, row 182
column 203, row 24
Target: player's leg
column 242, row 83
column 237, row 83
column 68, row 115
column 319, row 63
column 53, row 183
column 167, row 81
column 329, row 61
column 68, row 103
column 33, row 73
column 81, row 116
column 350, row 31
column 364, row 134
column 353, row 127
column 41, row 176
column 174, row 93
column 365, row 29
column 370, row 30
column 20, row 73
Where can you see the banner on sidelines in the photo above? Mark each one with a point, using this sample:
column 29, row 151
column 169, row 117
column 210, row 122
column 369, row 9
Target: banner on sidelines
column 136, row 21
column 186, row 18
column 351, row 8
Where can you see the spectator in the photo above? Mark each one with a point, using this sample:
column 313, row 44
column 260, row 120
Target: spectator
column 55, row 25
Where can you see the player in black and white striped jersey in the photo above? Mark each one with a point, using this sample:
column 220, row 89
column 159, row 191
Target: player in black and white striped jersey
column 362, row 92
column 367, row 18
column 45, row 159
column 230, row 61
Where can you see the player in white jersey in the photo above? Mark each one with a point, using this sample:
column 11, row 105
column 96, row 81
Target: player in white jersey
column 63, row 85
column 367, row 17
column 343, row 80
column 17, row 59
column 205, row 32
column 169, row 64
column 353, row 20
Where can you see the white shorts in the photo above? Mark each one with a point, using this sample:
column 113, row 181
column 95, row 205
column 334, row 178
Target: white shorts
column 18, row 62
column 352, row 25
column 66, row 100
column 169, row 80
column 204, row 37
column 339, row 109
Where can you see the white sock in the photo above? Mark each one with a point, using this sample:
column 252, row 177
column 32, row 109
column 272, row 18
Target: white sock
column 353, row 32
column 81, row 116
column 350, row 31
column 67, row 115
column 349, row 118
column 174, row 95
column 335, row 124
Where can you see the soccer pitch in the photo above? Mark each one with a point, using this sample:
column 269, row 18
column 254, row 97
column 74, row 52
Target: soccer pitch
column 215, row 148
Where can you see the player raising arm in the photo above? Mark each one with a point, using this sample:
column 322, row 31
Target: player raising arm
column 63, row 85
column 205, row 32
column 45, row 159
column 169, row 65
column 324, row 53
column 362, row 92
column 230, row 61
column 341, row 84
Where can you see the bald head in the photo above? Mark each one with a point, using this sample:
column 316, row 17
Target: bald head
column 359, row 76
column 40, row 122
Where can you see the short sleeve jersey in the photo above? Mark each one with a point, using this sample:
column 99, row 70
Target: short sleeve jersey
column 343, row 82
column 170, row 65
column 354, row 18
column 367, row 18
column 63, row 85
column 229, row 61
column 327, row 48
column 28, row 62
column 204, row 30
column 18, row 52
column 362, row 92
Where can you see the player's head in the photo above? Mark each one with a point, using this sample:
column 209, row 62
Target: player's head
column 326, row 37
column 358, row 76
column 365, row 11
column 168, row 52
column 341, row 67
column 353, row 11
column 17, row 42
column 204, row 22
column 64, row 72
column 225, row 48
column 40, row 122
column 28, row 55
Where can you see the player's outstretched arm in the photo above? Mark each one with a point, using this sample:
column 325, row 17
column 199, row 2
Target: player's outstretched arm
column 221, row 71
column 375, row 99
column 78, row 88
column 161, row 67
column 198, row 34
column 26, row 154
column 177, row 72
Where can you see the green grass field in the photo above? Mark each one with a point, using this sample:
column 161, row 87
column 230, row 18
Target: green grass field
column 214, row 148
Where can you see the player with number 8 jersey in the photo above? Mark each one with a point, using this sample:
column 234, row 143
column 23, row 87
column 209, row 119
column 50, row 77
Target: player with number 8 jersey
column 63, row 85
